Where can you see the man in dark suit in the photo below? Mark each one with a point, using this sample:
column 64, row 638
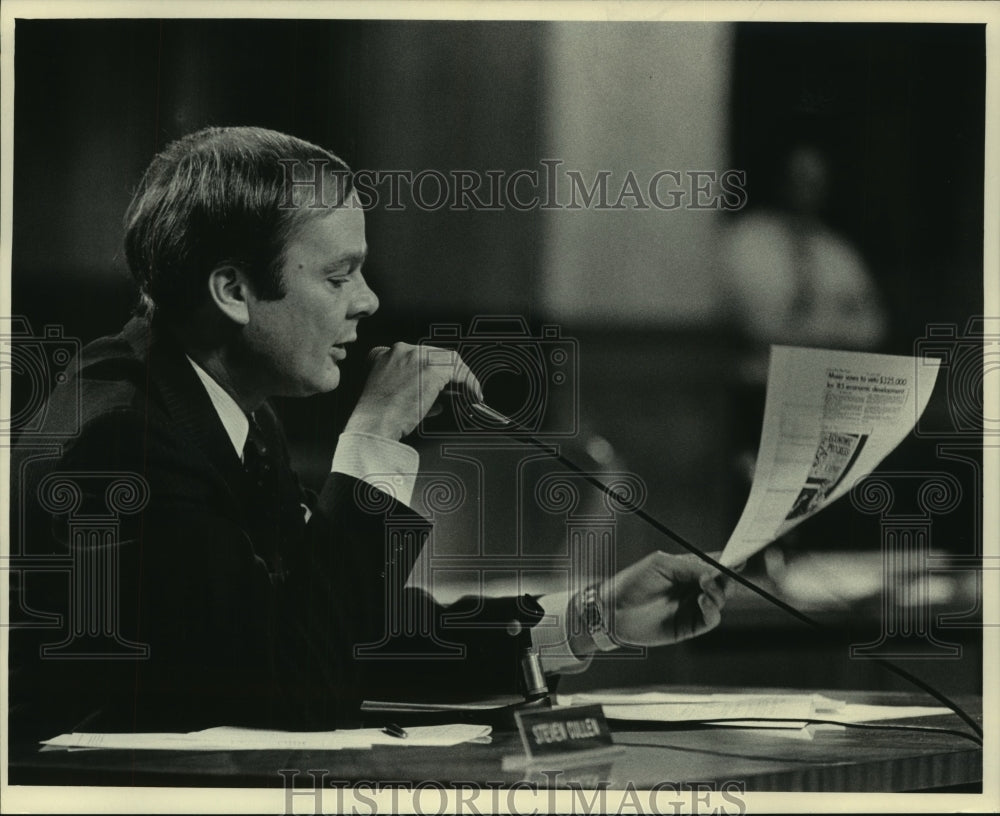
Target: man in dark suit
column 241, row 596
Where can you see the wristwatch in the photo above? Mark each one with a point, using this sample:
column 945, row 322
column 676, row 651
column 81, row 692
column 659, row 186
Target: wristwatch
column 592, row 615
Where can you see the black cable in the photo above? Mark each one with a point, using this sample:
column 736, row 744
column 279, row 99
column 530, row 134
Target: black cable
column 625, row 503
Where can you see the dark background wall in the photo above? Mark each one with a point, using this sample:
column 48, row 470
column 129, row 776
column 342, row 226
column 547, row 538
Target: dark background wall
column 899, row 108
column 95, row 99
column 900, row 111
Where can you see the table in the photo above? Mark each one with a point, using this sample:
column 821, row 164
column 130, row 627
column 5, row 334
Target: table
column 832, row 761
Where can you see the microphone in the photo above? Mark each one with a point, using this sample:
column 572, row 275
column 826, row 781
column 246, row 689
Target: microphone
column 461, row 398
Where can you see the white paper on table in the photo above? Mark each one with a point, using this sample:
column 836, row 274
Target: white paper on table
column 406, row 707
column 661, row 707
column 818, row 701
column 830, row 417
column 615, row 697
column 858, row 713
column 225, row 738
column 658, row 706
column 845, row 715
column 440, row 736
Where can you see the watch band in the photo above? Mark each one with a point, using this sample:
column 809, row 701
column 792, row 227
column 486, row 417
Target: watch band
column 592, row 613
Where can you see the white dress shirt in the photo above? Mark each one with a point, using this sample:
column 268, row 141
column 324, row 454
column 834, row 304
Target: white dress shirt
column 392, row 467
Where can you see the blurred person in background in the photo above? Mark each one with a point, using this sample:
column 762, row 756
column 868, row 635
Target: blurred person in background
column 789, row 278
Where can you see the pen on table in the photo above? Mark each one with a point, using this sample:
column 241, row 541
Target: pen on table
column 394, row 730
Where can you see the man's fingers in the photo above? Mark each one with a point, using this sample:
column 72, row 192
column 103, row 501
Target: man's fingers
column 728, row 588
column 714, row 589
column 449, row 366
column 673, row 568
column 711, row 611
column 679, row 569
column 464, row 377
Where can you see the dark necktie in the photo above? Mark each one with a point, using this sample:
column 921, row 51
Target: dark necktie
column 263, row 494
column 257, row 460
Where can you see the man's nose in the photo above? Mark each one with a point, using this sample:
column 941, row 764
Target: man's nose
column 366, row 303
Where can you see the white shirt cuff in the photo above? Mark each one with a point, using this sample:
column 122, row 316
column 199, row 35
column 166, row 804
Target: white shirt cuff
column 387, row 465
column 551, row 637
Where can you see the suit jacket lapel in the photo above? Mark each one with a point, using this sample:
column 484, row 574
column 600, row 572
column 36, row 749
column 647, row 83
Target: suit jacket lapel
column 174, row 382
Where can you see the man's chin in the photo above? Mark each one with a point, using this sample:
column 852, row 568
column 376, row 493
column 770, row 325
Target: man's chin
column 327, row 384
column 311, row 388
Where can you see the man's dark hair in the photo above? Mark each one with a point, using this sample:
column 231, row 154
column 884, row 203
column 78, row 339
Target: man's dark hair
column 223, row 196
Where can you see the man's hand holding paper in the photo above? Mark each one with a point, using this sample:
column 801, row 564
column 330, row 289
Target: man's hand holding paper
column 663, row 599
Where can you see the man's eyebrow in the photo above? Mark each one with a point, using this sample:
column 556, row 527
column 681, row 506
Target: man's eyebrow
column 354, row 259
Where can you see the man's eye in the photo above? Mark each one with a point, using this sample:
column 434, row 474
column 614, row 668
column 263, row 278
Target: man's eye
column 336, row 283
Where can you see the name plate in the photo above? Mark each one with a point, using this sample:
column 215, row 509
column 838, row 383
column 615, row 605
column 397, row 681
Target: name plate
column 577, row 731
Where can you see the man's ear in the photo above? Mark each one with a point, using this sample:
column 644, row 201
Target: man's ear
column 228, row 288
